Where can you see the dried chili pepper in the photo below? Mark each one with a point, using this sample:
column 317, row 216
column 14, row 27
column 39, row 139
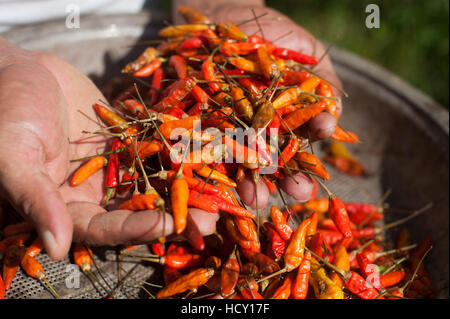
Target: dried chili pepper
column 296, row 247
column 344, row 136
column 301, row 282
column 280, row 223
column 284, row 291
column 229, row 275
column 324, row 287
column 277, row 244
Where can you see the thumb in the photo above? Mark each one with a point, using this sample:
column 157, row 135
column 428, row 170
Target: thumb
column 32, row 192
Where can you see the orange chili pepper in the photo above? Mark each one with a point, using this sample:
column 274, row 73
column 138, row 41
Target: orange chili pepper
column 286, row 97
column 246, row 65
column 392, row 278
column 301, row 283
column 345, row 165
column 310, row 84
column 202, row 201
column 325, row 89
column 229, row 275
column 179, row 64
column 186, row 123
column 35, row 248
column 209, row 75
column 312, row 226
column 279, row 221
column 301, row 116
column 145, row 58
column 288, row 152
column 267, row 65
column 312, row 163
column 87, row 170
column 319, row 205
column 294, row 78
column 32, row 267
column 296, row 248
column 179, row 195
column 205, row 171
column 82, row 257
column 192, row 280
column 111, row 118
column 284, row 291
column 246, row 228
column 149, row 69
column 140, row 202
column 344, row 136
column 230, row 30
column 342, row 261
column 145, row 148
column 243, row 106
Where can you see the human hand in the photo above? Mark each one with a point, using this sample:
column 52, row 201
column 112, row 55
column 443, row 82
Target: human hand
column 45, row 103
column 274, row 26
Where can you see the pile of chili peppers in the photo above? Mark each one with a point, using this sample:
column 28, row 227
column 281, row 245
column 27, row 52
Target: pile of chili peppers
column 215, row 76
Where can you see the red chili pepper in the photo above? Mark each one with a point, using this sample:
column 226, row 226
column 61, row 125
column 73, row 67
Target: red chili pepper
column 140, row 202
column 202, row 201
column 294, row 78
column 112, row 170
column 2, row 288
column 209, row 75
column 339, row 215
column 288, row 152
column 363, row 212
column 344, row 136
column 295, row 56
column 276, row 245
column 149, row 69
column 157, row 84
column 179, row 64
column 158, row 249
column 177, row 93
column 280, row 223
column 193, row 43
column 229, row 275
column 301, row 283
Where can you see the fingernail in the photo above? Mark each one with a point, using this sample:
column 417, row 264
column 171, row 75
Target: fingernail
column 49, row 241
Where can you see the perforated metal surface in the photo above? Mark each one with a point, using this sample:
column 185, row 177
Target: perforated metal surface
column 404, row 140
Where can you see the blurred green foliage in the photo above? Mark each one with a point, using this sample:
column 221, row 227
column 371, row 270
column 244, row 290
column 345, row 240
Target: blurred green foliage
column 412, row 40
